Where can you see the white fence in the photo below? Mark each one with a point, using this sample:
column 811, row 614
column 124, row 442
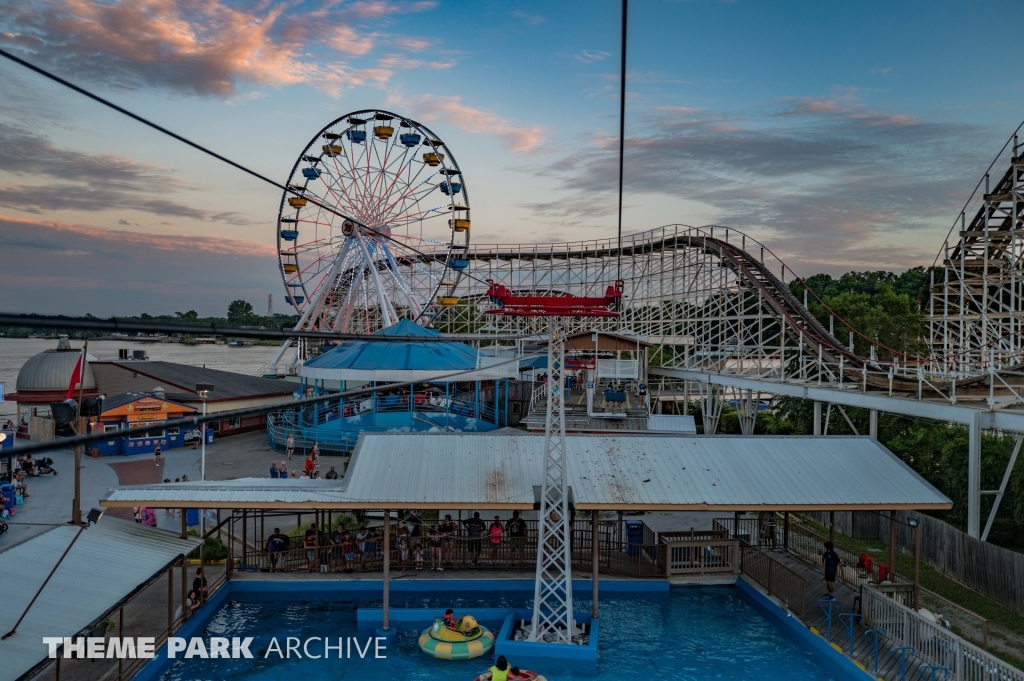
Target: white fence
column 932, row 644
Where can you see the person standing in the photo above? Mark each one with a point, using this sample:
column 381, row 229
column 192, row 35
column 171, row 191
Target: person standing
column 309, row 542
column 199, row 584
column 273, row 469
column 197, row 435
column 331, row 474
column 435, row 547
column 290, row 445
column 448, row 530
column 277, row 545
column 494, row 536
column 157, row 454
column 831, row 561
column 475, row 527
column 643, row 393
column 516, row 531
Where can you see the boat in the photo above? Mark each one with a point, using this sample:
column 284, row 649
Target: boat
column 466, row 641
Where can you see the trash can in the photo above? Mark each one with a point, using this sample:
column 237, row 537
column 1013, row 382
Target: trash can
column 209, row 434
column 634, row 536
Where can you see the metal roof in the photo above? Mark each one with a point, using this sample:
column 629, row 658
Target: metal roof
column 672, row 423
column 615, row 472
column 227, row 385
column 110, row 560
column 635, row 472
column 240, row 493
column 52, row 370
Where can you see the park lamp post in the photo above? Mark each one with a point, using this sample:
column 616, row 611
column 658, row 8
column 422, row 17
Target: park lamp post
column 917, row 562
column 204, row 390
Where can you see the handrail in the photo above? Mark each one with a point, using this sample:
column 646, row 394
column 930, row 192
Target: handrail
column 933, row 644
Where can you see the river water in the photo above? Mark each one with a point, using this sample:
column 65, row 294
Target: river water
column 246, row 360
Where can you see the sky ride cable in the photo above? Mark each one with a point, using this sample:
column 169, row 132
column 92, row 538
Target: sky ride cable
column 199, row 147
column 622, row 127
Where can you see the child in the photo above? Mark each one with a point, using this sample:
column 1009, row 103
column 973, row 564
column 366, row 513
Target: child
column 348, row 548
column 449, row 619
column 418, row 555
column 402, row 544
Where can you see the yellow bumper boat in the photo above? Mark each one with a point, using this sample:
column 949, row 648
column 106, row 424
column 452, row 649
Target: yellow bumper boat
column 466, row 641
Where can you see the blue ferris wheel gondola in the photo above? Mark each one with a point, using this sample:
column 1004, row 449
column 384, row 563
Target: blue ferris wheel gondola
column 449, row 189
column 310, row 173
column 410, row 139
column 356, row 136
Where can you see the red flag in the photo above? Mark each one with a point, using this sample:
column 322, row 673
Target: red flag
column 77, row 376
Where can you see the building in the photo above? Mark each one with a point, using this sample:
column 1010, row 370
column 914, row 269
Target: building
column 45, row 378
column 178, row 382
column 142, row 416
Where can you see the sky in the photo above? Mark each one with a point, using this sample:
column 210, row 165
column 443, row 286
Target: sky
column 843, row 135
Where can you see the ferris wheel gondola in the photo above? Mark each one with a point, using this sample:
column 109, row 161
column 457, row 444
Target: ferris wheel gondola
column 375, row 226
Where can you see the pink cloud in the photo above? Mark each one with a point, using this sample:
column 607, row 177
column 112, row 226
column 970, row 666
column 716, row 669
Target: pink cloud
column 518, row 139
column 206, row 47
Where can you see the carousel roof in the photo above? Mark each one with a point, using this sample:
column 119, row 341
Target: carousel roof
column 394, row 360
column 51, row 370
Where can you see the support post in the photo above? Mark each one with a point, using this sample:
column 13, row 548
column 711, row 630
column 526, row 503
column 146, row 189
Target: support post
column 785, row 532
column 595, row 557
column 974, row 478
column 1002, row 488
column 184, row 523
column 817, row 418
column 917, row 566
column 831, row 526
column 873, row 423
column 892, row 544
column 184, row 585
column 120, row 634
column 387, row 566
column 170, row 602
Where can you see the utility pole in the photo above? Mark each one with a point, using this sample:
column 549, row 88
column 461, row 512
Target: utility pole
column 76, row 509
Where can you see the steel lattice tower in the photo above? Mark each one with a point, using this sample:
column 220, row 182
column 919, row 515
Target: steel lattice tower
column 552, row 595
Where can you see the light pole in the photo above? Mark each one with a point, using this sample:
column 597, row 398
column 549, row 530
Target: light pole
column 204, row 390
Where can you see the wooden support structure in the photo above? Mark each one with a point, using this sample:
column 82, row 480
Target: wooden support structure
column 832, row 526
column 785, row 532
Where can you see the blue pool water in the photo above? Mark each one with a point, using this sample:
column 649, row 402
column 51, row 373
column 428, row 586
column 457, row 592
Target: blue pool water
column 691, row 634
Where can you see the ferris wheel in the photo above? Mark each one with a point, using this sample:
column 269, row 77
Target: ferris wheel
column 376, row 227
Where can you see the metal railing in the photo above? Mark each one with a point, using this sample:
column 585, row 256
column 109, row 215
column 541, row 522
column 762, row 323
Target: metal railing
column 777, row 579
column 932, row 644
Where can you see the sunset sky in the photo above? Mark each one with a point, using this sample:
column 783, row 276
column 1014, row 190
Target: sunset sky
column 846, row 135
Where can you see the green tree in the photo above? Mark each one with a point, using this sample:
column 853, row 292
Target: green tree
column 190, row 317
column 240, row 312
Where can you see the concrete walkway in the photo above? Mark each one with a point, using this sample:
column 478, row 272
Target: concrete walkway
column 50, row 496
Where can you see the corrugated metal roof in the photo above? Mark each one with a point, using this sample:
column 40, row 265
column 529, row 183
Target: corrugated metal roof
column 425, row 470
column 618, row 472
column 672, row 423
column 240, row 493
column 109, row 561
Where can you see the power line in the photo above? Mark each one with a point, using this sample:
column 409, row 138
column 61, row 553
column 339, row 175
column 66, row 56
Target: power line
column 115, row 325
column 219, row 157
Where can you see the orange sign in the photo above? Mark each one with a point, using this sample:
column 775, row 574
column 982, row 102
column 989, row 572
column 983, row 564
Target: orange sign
column 149, row 409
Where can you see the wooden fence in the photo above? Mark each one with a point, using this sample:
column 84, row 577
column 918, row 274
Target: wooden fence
column 990, row 570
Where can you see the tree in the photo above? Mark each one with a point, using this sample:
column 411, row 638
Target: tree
column 190, row 317
column 240, row 312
